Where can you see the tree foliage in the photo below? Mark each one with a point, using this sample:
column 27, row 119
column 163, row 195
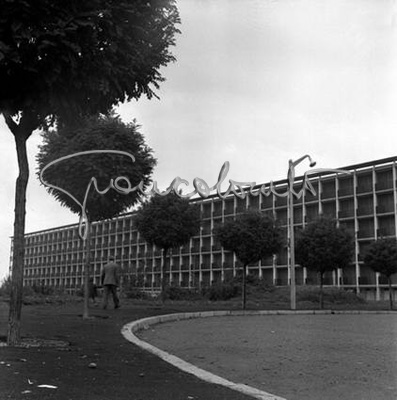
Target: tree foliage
column 60, row 61
column 251, row 236
column 74, row 174
column 322, row 246
column 168, row 222
column 78, row 57
column 381, row 257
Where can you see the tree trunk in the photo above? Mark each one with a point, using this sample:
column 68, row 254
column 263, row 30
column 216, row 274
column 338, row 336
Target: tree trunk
column 244, row 288
column 321, row 291
column 163, row 271
column 390, row 293
column 21, row 133
column 87, row 269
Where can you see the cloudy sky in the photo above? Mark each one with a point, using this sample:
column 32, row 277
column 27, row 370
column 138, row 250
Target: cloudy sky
column 256, row 83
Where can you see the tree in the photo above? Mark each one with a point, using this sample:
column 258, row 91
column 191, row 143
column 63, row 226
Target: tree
column 167, row 222
column 63, row 60
column 322, row 246
column 251, row 236
column 74, row 175
column 381, row 257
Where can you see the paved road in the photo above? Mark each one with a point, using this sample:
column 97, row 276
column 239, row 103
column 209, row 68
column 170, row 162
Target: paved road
column 310, row 357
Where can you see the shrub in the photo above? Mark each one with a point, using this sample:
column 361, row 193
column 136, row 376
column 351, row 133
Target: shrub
column 5, row 286
column 331, row 295
column 134, row 293
column 42, row 289
column 177, row 293
column 28, row 291
column 222, row 291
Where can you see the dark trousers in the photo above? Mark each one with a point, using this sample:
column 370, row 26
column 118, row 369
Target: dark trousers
column 107, row 290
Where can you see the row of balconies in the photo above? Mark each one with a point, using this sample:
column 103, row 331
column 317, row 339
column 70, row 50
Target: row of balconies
column 368, row 233
column 283, row 281
column 207, row 231
column 76, row 244
column 174, row 267
column 282, row 201
column 55, row 275
column 207, row 249
column 346, row 280
column 347, row 214
column 366, row 211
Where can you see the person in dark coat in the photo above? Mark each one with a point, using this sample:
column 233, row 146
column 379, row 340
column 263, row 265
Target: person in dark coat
column 110, row 281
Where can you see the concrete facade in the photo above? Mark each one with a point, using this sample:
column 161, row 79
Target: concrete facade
column 364, row 201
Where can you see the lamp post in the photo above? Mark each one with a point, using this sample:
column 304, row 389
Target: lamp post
column 291, row 193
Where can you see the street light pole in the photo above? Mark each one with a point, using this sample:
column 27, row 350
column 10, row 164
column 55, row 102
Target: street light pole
column 291, row 193
column 292, row 251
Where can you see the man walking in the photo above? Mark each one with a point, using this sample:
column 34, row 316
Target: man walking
column 110, row 281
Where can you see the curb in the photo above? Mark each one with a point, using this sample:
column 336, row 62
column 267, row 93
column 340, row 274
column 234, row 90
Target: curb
column 129, row 329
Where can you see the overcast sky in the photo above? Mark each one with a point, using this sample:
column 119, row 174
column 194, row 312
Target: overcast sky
column 256, row 82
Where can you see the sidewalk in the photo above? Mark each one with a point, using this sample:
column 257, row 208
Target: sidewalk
column 96, row 362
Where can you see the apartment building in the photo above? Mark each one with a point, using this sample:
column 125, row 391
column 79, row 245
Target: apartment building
column 364, row 201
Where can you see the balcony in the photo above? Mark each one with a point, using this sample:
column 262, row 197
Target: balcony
column 384, row 208
column 363, row 189
column 206, row 230
column 363, row 280
column 185, row 250
column 386, row 185
column 216, row 247
column 310, row 197
column 365, row 233
column 347, row 191
column 229, row 208
column 282, row 201
column 368, row 210
column 267, row 203
column 384, row 232
column 175, row 267
column 217, row 212
column 282, row 220
column 206, row 212
column 240, row 209
column 328, row 194
column 185, row 266
column 346, row 213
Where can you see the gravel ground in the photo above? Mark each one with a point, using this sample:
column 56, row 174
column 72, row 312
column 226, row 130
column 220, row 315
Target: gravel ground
column 310, row 357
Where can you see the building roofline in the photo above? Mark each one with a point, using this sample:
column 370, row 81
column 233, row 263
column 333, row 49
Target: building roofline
column 351, row 167
column 367, row 164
